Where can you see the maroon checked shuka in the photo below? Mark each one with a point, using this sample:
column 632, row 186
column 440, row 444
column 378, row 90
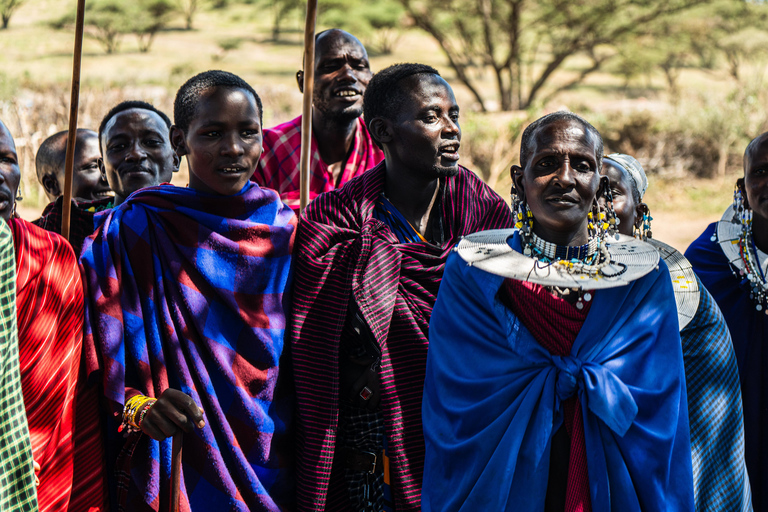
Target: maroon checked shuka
column 342, row 254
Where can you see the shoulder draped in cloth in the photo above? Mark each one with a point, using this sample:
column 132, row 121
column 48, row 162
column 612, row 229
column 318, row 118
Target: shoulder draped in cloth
column 720, row 481
column 494, row 396
column 17, row 476
column 80, row 222
column 49, row 301
column 279, row 165
column 749, row 332
column 186, row 290
column 344, row 253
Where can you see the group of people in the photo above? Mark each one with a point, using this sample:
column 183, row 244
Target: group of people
column 408, row 342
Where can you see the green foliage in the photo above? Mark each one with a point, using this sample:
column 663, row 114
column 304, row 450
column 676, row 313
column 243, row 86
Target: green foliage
column 107, row 21
column 702, row 135
column 526, row 44
column 227, row 45
column 728, row 31
column 148, row 18
column 7, row 8
column 377, row 24
column 188, row 9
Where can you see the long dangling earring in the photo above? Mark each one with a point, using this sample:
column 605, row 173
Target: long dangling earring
column 608, row 222
column 742, row 210
column 645, row 229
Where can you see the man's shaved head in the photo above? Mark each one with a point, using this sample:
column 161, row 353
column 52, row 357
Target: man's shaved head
column 53, row 151
column 756, row 146
column 87, row 182
column 327, row 38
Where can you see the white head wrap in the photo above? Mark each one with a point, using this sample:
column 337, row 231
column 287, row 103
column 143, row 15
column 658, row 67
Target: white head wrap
column 633, row 168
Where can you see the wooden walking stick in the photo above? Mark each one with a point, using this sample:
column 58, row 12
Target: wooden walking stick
column 178, row 438
column 306, row 113
column 74, row 103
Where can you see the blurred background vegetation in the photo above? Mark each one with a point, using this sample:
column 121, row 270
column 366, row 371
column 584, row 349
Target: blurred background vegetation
column 680, row 84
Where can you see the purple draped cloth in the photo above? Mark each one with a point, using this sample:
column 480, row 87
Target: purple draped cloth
column 185, row 290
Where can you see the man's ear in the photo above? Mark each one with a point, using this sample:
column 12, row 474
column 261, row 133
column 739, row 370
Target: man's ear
column 300, row 80
column 51, row 185
column 176, row 162
column 178, row 142
column 517, row 181
column 381, row 130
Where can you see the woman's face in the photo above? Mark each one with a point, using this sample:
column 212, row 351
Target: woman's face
column 623, row 195
column 560, row 181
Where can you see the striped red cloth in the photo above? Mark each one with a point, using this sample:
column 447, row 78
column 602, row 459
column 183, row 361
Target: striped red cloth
column 279, row 164
column 555, row 324
column 342, row 252
column 49, row 299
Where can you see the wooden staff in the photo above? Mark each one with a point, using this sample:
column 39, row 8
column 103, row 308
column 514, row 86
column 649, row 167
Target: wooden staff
column 178, row 438
column 74, row 102
column 306, row 113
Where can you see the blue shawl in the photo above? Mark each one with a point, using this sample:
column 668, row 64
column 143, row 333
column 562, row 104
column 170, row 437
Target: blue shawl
column 749, row 331
column 493, row 395
column 186, row 291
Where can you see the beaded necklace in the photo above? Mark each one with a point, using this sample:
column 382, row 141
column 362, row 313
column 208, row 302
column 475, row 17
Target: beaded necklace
column 589, row 259
column 752, row 271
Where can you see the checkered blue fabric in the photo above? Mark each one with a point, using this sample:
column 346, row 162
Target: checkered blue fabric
column 715, row 412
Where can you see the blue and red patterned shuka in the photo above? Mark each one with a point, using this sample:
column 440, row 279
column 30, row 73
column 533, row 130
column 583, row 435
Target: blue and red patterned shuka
column 186, row 290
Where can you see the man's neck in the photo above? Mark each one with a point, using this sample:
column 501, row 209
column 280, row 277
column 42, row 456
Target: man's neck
column 334, row 141
column 412, row 195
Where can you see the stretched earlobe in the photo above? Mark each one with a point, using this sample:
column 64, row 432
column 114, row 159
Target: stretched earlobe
column 517, row 184
column 300, row 80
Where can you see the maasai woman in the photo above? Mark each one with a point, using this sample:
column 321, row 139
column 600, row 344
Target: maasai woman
column 562, row 397
column 185, row 308
column 720, row 481
column 49, row 304
column 731, row 258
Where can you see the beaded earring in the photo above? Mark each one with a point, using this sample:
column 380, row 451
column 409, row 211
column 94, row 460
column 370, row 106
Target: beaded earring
column 607, row 221
column 751, row 271
column 522, row 213
column 643, row 232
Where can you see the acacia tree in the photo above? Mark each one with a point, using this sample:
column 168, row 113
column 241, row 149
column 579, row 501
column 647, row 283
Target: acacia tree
column 7, row 8
column 188, row 9
column 525, row 43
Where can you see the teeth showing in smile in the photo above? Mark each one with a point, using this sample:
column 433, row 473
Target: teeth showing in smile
column 232, row 169
column 345, row 94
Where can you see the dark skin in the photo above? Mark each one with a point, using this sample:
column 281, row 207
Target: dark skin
column 560, row 181
column 222, row 146
column 754, row 188
column 88, row 183
column 421, row 144
column 629, row 212
column 137, row 152
column 9, row 173
column 223, row 141
column 342, row 73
